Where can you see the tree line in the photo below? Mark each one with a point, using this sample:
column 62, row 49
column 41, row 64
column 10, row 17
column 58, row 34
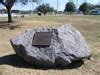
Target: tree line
column 84, row 8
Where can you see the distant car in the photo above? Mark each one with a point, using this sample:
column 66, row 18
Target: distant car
column 95, row 11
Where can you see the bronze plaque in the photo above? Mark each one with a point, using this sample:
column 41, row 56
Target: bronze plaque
column 42, row 39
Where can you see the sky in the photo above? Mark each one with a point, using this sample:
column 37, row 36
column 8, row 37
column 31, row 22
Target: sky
column 53, row 3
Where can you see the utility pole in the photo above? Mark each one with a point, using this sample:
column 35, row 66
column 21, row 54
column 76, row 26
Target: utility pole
column 57, row 5
column 77, row 3
column 32, row 9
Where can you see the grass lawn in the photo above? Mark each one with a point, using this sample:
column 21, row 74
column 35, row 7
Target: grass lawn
column 89, row 26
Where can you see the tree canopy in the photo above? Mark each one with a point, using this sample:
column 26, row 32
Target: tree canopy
column 70, row 7
column 44, row 8
column 85, row 8
column 96, row 6
column 10, row 3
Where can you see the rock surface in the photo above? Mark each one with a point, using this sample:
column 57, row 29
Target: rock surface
column 67, row 45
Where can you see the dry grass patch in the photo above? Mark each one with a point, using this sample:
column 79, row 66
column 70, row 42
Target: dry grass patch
column 89, row 26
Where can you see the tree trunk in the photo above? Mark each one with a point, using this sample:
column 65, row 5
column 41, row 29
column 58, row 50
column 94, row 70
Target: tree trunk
column 70, row 13
column 9, row 15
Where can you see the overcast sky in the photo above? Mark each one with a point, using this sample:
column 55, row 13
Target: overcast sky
column 53, row 3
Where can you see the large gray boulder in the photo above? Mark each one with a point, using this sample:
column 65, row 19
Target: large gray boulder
column 67, row 45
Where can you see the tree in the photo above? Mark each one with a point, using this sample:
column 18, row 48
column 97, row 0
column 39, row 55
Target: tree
column 3, row 11
column 51, row 9
column 96, row 6
column 85, row 8
column 10, row 3
column 15, row 11
column 44, row 8
column 70, row 7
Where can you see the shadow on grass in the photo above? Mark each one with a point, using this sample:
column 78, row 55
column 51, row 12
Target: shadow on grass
column 6, row 25
column 16, row 61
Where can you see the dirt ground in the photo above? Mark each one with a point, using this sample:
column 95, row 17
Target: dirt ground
column 11, row 64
